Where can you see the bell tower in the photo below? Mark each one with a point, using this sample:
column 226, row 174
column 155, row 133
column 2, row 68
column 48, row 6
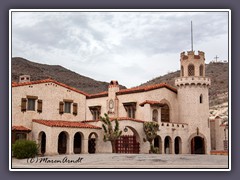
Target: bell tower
column 193, row 99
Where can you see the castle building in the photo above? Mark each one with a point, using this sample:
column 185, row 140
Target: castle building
column 65, row 120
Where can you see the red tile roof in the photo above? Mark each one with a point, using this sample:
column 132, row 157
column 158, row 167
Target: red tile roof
column 69, row 124
column 101, row 94
column 20, row 128
column 14, row 84
column 88, row 121
column 151, row 103
column 146, row 88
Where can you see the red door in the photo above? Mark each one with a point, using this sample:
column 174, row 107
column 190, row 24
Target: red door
column 128, row 145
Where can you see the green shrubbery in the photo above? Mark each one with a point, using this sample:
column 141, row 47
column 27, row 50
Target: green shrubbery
column 24, row 149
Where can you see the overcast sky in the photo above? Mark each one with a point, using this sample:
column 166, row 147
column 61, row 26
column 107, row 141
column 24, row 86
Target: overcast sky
column 131, row 47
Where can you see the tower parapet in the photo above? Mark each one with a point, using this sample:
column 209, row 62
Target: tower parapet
column 192, row 56
column 192, row 65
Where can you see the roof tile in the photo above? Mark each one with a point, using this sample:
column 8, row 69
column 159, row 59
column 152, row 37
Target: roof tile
column 146, row 88
column 20, row 128
column 14, row 84
column 69, row 124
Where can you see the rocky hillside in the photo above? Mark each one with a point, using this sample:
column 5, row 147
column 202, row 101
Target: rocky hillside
column 217, row 71
column 38, row 71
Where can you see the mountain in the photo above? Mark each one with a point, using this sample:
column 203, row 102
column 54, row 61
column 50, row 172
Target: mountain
column 217, row 71
column 37, row 71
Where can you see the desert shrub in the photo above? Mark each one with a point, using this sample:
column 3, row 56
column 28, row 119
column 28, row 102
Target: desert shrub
column 24, row 149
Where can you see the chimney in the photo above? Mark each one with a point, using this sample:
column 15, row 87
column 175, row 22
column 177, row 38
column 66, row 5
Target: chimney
column 24, row 78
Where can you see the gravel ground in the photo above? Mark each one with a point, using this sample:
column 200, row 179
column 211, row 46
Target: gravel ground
column 123, row 161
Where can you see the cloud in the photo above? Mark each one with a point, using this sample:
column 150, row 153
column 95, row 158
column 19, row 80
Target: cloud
column 108, row 45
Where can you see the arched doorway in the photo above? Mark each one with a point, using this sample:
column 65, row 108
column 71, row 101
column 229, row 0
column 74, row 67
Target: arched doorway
column 77, row 144
column 158, row 143
column 197, row 145
column 62, row 143
column 178, row 145
column 42, row 137
column 92, row 140
column 168, row 145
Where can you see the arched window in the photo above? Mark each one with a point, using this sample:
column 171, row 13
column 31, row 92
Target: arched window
column 165, row 113
column 182, row 71
column 191, row 70
column 155, row 115
column 201, row 70
column 201, row 99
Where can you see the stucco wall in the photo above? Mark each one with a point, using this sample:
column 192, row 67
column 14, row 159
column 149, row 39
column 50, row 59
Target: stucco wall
column 194, row 113
column 145, row 113
column 50, row 94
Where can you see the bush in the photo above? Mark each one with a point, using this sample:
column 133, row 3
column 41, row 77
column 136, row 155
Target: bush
column 24, row 149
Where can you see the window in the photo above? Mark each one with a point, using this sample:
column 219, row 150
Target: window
column 96, row 111
column 130, row 108
column 191, row 70
column 67, row 107
column 182, row 71
column 21, row 136
column 29, row 104
column 18, row 136
column 165, row 113
column 201, row 99
column 155, row 115
column 201, row 70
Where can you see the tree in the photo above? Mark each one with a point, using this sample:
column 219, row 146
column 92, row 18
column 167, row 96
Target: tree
column 110, row 134
column 150, row 129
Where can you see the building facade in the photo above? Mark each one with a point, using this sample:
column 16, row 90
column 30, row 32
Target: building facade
column 65, row 120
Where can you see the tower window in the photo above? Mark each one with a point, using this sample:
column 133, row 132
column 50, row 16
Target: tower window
column 201, row 70
column 191, row 70
column 165, row 113
column 182, row 71
column 201, row 99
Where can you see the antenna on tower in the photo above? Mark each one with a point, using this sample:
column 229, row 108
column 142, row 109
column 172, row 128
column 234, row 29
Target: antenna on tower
column 191, row 36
